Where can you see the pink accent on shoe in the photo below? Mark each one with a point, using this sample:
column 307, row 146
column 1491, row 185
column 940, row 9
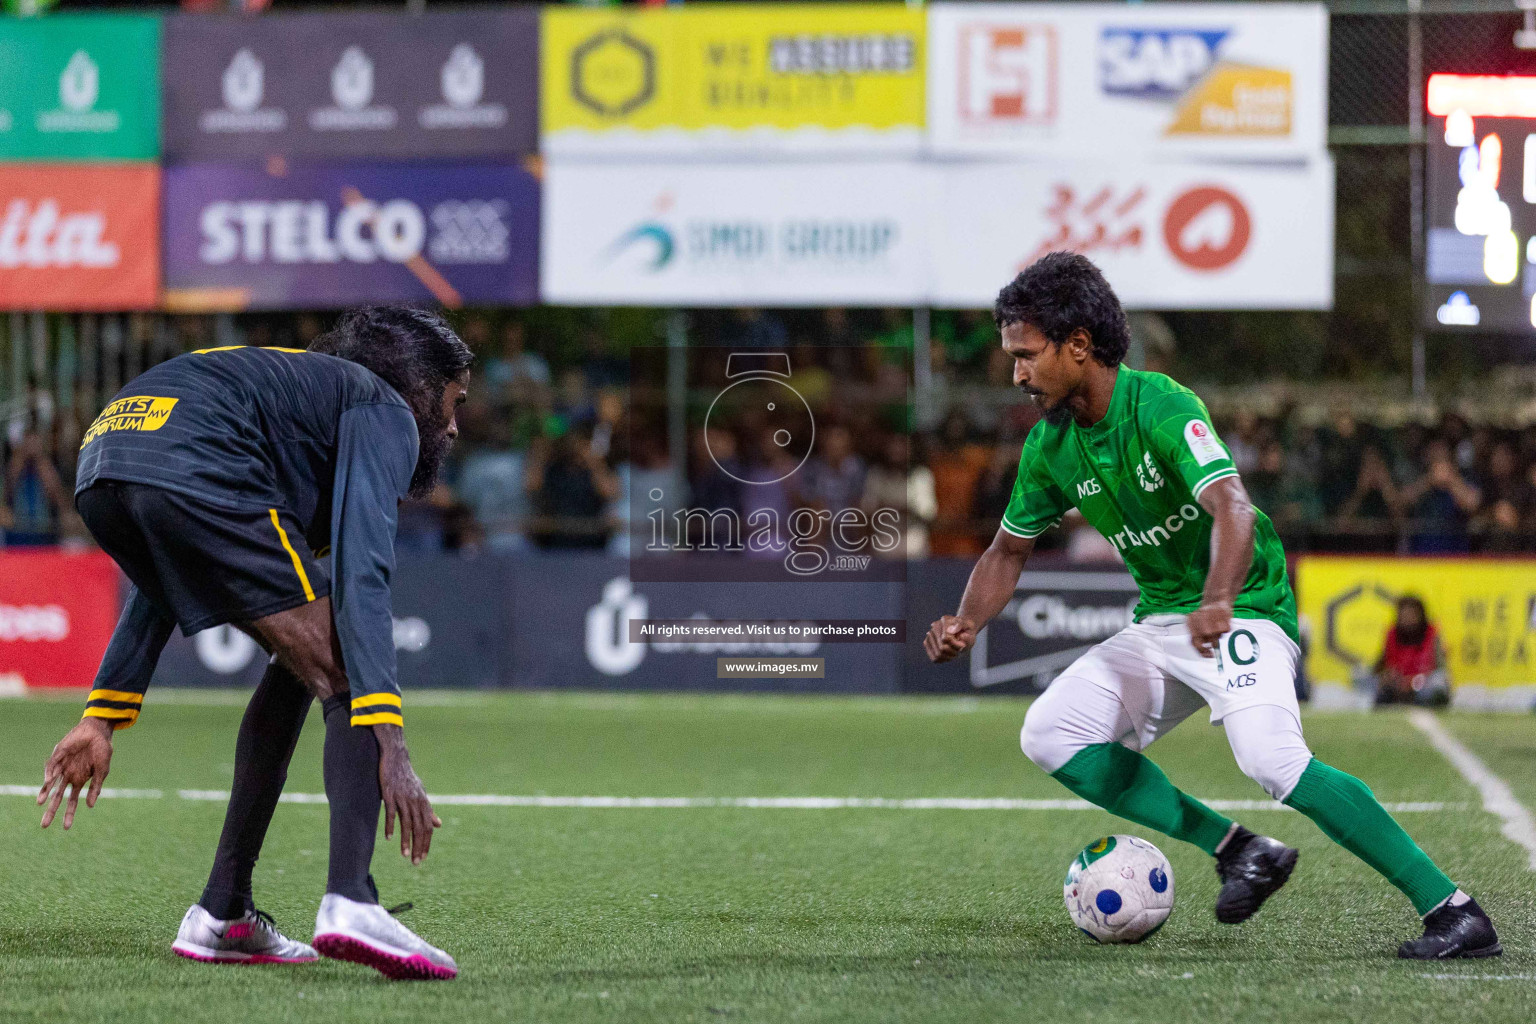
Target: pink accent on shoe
column 239, row 931
column 258, row 958
column 413, row 968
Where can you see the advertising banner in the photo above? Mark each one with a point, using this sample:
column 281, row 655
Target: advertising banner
column 1484, row 609
column 796, row 234
column 364, row 85
column 239, row 236
column 1167, row 236
column 80, row 88
column 1053, row 618
column 732, row 78
column 79, row 237
column 1245, row 80
column 57, row 612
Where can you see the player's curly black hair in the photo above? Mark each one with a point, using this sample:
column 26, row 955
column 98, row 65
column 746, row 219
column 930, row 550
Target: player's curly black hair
column 413, row 350
column 1060, row 292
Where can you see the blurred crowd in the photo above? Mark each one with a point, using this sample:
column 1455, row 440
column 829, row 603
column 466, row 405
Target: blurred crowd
column 551, row 449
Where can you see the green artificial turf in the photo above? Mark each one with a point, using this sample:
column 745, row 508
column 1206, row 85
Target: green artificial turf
column 746, row 914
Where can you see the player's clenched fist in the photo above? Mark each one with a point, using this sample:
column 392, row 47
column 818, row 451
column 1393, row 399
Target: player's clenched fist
column 949, row 636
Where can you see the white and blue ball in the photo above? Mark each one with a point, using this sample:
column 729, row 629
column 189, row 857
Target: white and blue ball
column 1119, row 889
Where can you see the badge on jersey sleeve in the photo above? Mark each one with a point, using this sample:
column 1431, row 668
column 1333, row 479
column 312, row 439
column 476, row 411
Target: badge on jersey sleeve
column 1202, row 443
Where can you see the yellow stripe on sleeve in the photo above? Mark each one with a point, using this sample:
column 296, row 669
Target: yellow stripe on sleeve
column 121, row 696
column 379, row 718
column 376, row 698
column 298, row 566
column 119, row 718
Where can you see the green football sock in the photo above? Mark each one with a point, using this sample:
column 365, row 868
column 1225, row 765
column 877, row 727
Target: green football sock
column 1125, row 783
column 1349, row 814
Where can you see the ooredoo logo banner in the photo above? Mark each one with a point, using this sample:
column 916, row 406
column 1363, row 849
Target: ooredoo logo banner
column 79, row 236
column 450, row 84
column 1166, row 235
column 321, row 235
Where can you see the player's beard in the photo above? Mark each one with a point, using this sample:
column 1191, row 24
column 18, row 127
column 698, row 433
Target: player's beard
column 434, row 446
column 1058, row 415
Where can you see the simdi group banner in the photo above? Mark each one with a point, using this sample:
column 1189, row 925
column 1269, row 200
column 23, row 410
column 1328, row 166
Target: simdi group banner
column 322, row 235
column 79, row 236
column 1167, row 235
column 80, row 87
column 1203, row 79
column 716, row 78
column 711, row 234
column 1484, row 609
column 353, row 85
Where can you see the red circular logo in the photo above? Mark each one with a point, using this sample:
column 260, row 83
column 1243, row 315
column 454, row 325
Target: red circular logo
column 1207, row 228
column 1197, row 428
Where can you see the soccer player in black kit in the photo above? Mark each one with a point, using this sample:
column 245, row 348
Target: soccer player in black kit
column 258, row 487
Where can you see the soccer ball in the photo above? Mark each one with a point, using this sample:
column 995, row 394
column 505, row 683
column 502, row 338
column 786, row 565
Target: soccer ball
column 1119, row 889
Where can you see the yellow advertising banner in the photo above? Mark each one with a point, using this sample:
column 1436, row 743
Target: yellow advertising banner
column 1485, row 610
column 733, row 77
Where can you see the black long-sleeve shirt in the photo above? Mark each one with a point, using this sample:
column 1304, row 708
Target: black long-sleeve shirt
column 258, row 428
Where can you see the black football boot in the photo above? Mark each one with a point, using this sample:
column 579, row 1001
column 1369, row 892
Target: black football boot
column 1451, row 932
column 1252, row 868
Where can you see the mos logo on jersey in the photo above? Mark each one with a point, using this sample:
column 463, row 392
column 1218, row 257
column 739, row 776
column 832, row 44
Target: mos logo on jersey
column 141, row 412
column 1087, row 487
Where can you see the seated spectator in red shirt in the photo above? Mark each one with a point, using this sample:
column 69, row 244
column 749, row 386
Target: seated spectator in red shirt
column 1411, row 669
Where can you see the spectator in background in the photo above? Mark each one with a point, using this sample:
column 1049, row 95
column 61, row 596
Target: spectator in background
column 1280, row 487
column 833, row 477
column 1506, row 502
column 512, row 362
column 893, row 482
column 1441, row 501
column 492, row 481
column 995, row 486
column 1375, row 499
column 1244, row 442
column 957, row 463
column 1411, row 669
column 35, row 496
column 753, row 328
column 572, row 488
column 1339, row 465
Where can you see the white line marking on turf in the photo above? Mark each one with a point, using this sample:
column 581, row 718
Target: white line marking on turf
column 1518, row 825
column 793, row 803
column 1480, row 977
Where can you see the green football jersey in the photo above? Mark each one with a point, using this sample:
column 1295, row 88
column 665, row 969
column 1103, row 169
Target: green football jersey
column 1137, row 476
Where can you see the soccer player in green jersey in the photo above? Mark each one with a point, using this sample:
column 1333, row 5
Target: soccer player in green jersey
column 1216, row 624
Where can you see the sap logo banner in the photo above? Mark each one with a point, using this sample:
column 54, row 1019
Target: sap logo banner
column 1156, row 63
column 362, row 233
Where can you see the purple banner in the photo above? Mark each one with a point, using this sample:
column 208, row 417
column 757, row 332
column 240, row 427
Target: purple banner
column 320, row 235
column 354, row 85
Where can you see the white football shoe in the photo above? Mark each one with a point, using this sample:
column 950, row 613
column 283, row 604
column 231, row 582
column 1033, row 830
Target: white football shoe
column 251, row 939
column 366, row 933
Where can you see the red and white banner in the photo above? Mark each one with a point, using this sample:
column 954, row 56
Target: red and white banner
column 79, row 237
column 1167, row 236
column 57, row 612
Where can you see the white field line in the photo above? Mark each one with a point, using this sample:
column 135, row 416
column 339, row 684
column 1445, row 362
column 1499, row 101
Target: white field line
column 793, row 803
column 1498, row 799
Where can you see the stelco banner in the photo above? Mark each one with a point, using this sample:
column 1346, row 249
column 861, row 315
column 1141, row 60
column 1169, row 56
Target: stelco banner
column 57, row 612
column 79, row 237
column 1484, row 609
column 795, row 234
column 1246, row 80
column 1167, row 236
column 80, row 88
column 454, row 84
column 722, row 78
column 325, row 235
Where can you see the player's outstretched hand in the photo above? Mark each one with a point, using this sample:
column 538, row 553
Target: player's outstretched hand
column 82, row 758
column 949, row 637
column 406, row 798
column 1207, row 624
